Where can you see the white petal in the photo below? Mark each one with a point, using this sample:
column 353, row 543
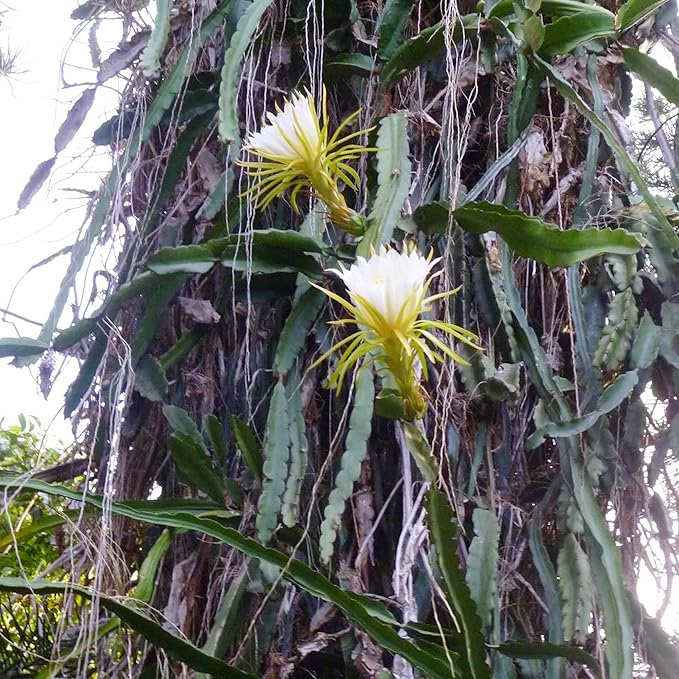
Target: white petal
column 392, row 283
column 289, row 132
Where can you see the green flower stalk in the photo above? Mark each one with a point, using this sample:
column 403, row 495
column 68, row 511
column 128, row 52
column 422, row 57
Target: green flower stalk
column 295, row 153
column 388, row 293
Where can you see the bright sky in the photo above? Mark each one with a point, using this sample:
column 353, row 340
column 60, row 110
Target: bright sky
column 34, row 104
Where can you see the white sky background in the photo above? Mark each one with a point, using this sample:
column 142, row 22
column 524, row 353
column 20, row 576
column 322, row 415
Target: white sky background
column 33, row 104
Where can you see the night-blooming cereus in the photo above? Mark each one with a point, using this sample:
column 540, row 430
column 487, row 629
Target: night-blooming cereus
column 388, row 293
column 295, row 153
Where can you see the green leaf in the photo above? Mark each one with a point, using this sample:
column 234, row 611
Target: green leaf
column 529, row 236
column 180, row 421
column 578, row 425
column 575, row 584
column 150, row 58
column 143, row 590
column 298, row 453
column 345, row 65
column 273, row 250
column 633, row 448
column 646, row 343
column 504, row 383
column 420, row 450
column 225, row 624
column 561, row 429
column 117, row 127
column 192, row 259
column 532, row 32
column 481, row 575
column 393, row 20
column 610, row 399
column 651, row 72
column 192, row 458
column 140, row 285
column 79, row 252
column 86, row 10
column 634, row 11
column 444, row 537
column 274, row 254
column 542, row 650
column 215, row 201
column 393, row 182
column 21, row 346
column 249, row 446
column 604, row 556
column 194, row 465
column 529, row 349
column 180, row 349
column 479, row 452
column 544, row 567
column 35, row 527
column 155, row 311
column 355, row 451
column 568, row 32
column 429, row 44
column 482, row 379
column 275, row 467
column 197, row 506
column 527, row 344
column 212, row 427
column 150, row 380
column 608, row 578
column 617, row 335
column 389, row 404
column 173, row 82
column 550, row 8
column 269, row 260
column 297, row 327
column 613, row 395
column 154, row 633
column 622, row 270
column 669, row 336
column 197, row 107
column 241, row 40
column 67, row 338
column 83, row 382
column 362, row 611
column 281, row 239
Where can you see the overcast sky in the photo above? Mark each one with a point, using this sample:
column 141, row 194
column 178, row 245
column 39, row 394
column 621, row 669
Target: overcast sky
column 34, row 104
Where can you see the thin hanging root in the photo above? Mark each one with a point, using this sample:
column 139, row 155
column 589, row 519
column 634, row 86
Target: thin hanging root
column 457, row 129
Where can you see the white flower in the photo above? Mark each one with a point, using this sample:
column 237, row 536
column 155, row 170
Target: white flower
column 391, row 285
column 291, row 133
column 294, row 152
column 388, row 293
